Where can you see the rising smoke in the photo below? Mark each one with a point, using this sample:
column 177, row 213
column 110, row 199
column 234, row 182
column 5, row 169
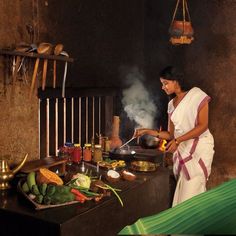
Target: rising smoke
column 137, row 101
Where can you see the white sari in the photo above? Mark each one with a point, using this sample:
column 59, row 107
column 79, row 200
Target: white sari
column 193, row 158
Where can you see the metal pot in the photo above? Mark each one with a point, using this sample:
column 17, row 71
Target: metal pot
column 148, row 141
column 122, row 154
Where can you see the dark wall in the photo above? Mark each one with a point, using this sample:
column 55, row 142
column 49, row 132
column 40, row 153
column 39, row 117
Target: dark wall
column 107, row 36
column 102, row 37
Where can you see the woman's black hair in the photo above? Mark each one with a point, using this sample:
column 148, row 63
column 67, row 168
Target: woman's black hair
column 172, row 73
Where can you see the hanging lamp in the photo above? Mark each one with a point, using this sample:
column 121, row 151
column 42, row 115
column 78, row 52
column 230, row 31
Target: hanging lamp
column 181, row 31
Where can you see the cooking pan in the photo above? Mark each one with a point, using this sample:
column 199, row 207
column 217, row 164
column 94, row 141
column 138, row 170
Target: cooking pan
column 122, row 154
column 148, row 141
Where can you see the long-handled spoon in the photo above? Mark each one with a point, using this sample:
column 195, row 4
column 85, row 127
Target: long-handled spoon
column 127, row 142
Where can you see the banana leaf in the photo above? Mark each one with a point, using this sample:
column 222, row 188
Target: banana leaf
column 212, row 212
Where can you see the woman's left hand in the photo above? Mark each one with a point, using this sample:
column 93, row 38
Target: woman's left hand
column 171, row 146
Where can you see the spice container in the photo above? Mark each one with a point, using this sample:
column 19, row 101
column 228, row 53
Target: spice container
column 97, row 156
column 87, row 152
column 69, row 147
column 107, row 143
column 77, row 153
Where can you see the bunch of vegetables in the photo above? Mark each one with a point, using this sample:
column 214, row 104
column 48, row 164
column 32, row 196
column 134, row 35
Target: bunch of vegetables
column 46, row 187
column 92, row 188
column 46, row 193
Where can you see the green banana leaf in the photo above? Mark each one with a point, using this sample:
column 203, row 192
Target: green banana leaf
column 212, row 212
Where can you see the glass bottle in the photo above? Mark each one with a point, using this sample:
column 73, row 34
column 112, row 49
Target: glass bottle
column 77, row 153
column 87, row 152
column 97, row 153
column 69, row 147
column 106, row 144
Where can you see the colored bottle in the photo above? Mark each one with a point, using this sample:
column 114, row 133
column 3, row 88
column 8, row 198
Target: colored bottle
column 97, row 153
column 87, row 152
column 77, row 153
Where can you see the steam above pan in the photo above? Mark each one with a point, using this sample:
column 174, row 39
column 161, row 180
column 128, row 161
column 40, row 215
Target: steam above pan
column 137, row 101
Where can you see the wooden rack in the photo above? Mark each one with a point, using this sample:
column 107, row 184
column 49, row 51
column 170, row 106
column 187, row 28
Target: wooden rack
column 35, row 55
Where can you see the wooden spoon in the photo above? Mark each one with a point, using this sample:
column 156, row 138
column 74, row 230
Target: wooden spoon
column 44, row 48
column 57, row 50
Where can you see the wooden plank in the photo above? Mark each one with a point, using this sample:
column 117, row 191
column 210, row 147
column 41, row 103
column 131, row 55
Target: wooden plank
column 35, row 55
column 47, row 162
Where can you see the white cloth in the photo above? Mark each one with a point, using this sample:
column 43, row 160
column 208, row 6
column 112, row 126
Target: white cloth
column 193, row 158
column 186, row 189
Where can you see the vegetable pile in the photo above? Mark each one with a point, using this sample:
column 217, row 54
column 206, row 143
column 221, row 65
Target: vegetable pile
column 45, row 187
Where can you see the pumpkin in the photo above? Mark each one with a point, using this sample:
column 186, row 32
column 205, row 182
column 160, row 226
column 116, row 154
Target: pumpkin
column 47, row 176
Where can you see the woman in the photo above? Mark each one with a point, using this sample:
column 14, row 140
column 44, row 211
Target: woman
column 190, row 142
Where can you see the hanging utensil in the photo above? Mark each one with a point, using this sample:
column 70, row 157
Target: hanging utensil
column 36, row 65
column 181, row 31
column 65, row 72
column 44, row 48
column 57, row 50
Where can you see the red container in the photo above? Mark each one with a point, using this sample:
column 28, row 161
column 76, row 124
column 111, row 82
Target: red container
column 87, row 152
column 77, row 153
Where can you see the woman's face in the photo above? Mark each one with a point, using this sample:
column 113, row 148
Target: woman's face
column 169, row 86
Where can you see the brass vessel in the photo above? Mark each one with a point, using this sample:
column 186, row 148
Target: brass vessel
column 6, row 174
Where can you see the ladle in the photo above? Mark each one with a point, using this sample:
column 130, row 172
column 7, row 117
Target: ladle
column 127, row 142
column 57, row 50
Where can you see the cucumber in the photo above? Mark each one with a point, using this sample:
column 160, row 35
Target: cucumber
column 31, row 180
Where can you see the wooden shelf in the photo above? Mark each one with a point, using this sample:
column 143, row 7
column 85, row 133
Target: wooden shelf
column 48, row 162
column 35, row 55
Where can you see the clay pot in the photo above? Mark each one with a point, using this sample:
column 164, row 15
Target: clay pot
column 181, row 28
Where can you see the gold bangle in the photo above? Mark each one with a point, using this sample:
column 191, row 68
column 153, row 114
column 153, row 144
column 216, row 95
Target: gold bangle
column 176, row 142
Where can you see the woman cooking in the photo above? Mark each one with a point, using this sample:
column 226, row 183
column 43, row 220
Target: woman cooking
column 190, row 140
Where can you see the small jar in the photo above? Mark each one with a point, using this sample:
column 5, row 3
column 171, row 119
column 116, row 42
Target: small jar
column 77, row 153
column 87, row 152
column 97, row 153
column 69, row 147
column 107, row 144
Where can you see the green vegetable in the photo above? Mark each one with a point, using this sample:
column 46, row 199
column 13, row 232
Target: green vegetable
column 43, row 188
column 47, row 200
column 35, row 189
column 117, row 195
column 31, row 180
column 58, row 198
column 39, row 198
column 80, row 180
column 62, row 189
column 25, row 187
column 51, row 189
column 114, row 190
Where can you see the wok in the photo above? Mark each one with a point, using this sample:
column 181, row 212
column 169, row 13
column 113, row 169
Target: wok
column 122, row 154
column 148, row 141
